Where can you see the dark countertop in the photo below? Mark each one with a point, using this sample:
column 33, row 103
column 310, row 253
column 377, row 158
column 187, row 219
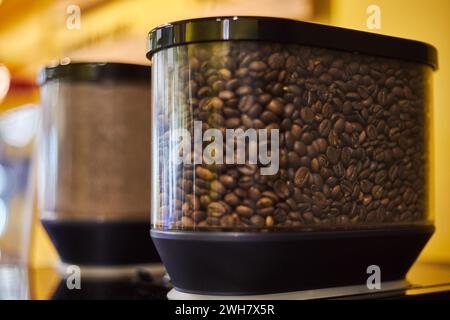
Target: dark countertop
column 428, row 281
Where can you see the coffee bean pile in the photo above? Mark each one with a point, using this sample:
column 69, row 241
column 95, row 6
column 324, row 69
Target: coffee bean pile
column 352, row 138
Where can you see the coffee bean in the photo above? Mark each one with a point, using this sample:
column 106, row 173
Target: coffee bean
column 398, row 153
column 276, row 60
column 269, row 221
column 276, row 106
column 217, row 186
column 339, row 126
column 264, row 202
column 377, row 191
column 380, row 177
column 226, row 95
column 321, row 145
column 307, row 114
column 257, row 66
column 248, row 169
column 231, row 198
column 352, row 173
column 302, row 177
column 227, row 180
column 352, row 138
column 336, row 192
column 371, row 132
column 294, row 160
column 254, row 193
column 257, row 221
column 216, row 209
column 315, row 167
column 270, row 195
column 244, row 91
column 332, row 155
column 296, row 131
column 281, row 189
column 325, row 127
column 300, row 148
column 246, row 182
column 346, row 155
column 244, row 211
column 232, row 123
column 366, row 186
column 204, row 173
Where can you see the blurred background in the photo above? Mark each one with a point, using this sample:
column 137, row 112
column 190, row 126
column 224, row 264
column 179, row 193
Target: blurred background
column 35, row 33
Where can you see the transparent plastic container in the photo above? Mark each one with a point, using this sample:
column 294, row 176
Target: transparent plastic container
column 351, row 145
column 263, row 128
column 94, row 185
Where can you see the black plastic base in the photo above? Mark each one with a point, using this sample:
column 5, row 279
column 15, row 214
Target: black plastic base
column 102, row 243
column 238, row 263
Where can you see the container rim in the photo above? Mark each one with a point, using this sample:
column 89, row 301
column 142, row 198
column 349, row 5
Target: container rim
column 270, row 29
column 94, row 71
column 239, row 236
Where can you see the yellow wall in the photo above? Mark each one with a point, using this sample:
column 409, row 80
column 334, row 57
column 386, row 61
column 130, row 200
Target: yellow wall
column 427, row 21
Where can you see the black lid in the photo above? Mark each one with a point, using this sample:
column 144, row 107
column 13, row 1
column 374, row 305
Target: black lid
column 95, row 71
column 289, row 31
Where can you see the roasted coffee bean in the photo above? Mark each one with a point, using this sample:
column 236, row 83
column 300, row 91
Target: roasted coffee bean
column 217, row 186
column 257, row 221
column 336, row 192
column 352, row 138
column 339, row 125
column 248, row 170
column 320, row 145
column 264, row 202
column 352, row 173
column 254, row 193
column 346, row 155
column 269, row 221
column 276, row 60
column 315, row 166
column 325, row 127
column 231, row 198
column 296, row 131
column 281, row 189
column 276, row 106
column 227, row 180
column 294, row 160
column 216, row 209
column 302, row 177
column 366, row 186
column 257, row 66
column 377, row 192
column 371, row 132
column 307, row 114
column 380, row 177
column 332, row 155
column 204, row 173
column 244, row 211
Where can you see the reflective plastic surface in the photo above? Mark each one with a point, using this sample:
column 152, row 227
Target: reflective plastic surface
column 95, row 151
column 263, row 136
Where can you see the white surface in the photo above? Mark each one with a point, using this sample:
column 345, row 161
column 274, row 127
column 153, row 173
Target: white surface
column 297, row 295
